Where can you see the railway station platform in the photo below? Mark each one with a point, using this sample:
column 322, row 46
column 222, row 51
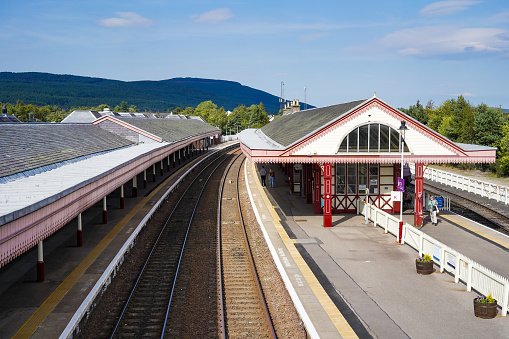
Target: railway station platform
column 350, row 280
column 355, row 281
column 30, row 309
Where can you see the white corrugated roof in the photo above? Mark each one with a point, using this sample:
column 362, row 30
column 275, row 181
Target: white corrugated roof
column 22, row 196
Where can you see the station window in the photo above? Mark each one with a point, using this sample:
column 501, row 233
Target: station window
column 372, row 138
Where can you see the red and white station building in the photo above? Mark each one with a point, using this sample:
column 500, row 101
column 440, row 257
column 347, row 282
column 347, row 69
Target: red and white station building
column 337, row 154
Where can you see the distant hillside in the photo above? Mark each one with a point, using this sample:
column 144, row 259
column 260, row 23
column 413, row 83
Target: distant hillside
column 70, row 91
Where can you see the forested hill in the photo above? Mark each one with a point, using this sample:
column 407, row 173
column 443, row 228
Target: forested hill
column 69, row 91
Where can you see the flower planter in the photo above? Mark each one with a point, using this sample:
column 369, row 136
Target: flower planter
column 485, row 310
column 424, row 267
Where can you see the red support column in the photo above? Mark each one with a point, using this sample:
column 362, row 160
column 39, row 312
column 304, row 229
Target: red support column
column 154, row 172
column 122, row 197
column 309, row 183
column 418, row 205
column 327, row 206
column 318, row 189
column 162, row 168
column 105, row 212
column 80, row 232
column 290, row 177
column 40, row 262
column 135, row 187
column 144, row 178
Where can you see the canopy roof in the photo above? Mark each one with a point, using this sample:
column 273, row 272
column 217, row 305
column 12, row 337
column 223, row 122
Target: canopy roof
column 315, row 136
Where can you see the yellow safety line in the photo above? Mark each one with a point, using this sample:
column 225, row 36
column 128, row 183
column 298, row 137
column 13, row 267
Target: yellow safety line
column 334, row 314
column 31, row 325
column 472, row 229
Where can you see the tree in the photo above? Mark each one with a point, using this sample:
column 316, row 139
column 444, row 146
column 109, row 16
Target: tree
column 257, row 116
column 488, row 123
column 178, row 110
column 189, row 111
column 205, row 109
column 123, row 107
column 417, row 112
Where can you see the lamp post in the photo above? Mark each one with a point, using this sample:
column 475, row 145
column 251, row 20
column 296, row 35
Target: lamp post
column 402, row 129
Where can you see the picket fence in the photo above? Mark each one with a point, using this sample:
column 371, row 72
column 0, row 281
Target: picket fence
column 472, row 185
column 464, row 269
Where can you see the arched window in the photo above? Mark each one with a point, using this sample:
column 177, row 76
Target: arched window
column 373, row 138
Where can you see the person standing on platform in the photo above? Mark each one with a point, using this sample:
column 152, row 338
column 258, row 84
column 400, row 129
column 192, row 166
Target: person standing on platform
column 433, row 209
column 263, row 174
column 272, row 176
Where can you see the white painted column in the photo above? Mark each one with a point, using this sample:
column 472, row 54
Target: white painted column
column 105, row 211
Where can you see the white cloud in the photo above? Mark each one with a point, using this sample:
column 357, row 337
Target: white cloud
column 126, row 19
column 500, row 17
column 312, row 36
column 448, row 7
column 447, row 40
column 214, row 17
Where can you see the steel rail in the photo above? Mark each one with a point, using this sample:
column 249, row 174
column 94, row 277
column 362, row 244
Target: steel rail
column 157, row 242
column 251, row 259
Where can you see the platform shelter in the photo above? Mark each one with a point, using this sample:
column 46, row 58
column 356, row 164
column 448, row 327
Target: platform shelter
column 338, row 154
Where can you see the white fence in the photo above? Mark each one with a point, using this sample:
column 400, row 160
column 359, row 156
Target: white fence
column 462, row 268
column 482, row 188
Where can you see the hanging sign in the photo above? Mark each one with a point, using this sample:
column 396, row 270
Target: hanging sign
column 401, row 184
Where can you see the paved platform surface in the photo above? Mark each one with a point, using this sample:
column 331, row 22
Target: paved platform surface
column 371, row 279
column 352, row 280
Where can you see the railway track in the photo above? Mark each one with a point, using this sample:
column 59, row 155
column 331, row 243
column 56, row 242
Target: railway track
column 149, row 304
column 178, row 295
column 244, row 312
column 472, row 209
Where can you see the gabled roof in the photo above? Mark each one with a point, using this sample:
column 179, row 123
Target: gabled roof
column 82, row 117
column 169, row 130
column 314, row 136
column 29, row 146
column 288, row 129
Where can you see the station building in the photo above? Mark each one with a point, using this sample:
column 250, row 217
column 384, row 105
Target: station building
column 338, row 154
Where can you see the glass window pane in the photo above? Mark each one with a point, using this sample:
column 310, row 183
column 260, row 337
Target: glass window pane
column 340, row 178
column 352, row 141
column 342, row 147
column 363, row 138
column 373, row 137
column 373, row 179
column 384, row 138
column 352, row 179
column 363, row 178
column 394, row 141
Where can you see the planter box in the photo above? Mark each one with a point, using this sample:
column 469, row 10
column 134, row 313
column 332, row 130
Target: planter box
column 424, row 267
column 485, row 310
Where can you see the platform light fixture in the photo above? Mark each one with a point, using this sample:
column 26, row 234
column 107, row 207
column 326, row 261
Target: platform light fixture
column 402, row 129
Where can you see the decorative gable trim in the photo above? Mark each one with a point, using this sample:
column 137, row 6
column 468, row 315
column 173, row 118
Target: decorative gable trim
column 359, row 110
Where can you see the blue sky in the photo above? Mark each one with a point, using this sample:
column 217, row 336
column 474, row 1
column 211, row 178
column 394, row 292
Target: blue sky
column 339, row 50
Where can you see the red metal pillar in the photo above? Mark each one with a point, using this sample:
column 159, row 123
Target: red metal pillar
column 162, row 168
column 135, row 187
column 318, row 189
column 40, row 262
column 105, row 211
column 154, row 172
column 174, row 163
column 145, row 178
column 418, row 205
column 290, row 177
column 122, row 197
column 327, row 195
column 80, row 232
column 309, row 183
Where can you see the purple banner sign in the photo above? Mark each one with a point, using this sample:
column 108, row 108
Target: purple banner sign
column 401, row 184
